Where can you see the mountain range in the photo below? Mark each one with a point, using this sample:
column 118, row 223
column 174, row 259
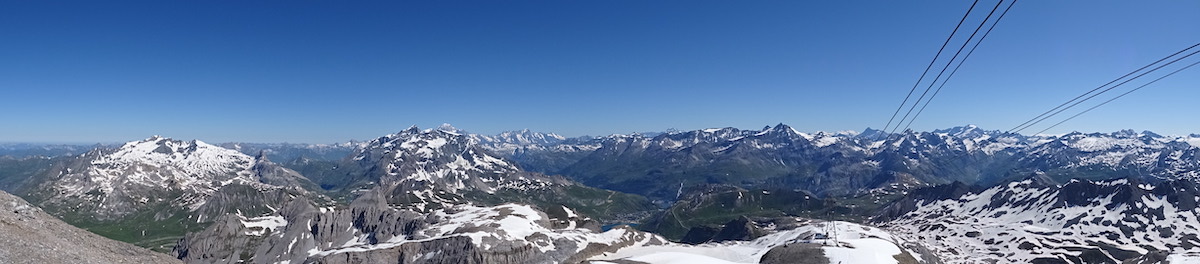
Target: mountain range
column 956, row 195
column 836, row 164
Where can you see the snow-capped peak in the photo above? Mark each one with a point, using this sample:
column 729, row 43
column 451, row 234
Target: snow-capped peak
column 783, row 129
column 967, row 131
column 446, row 127
column 189, row 157
column 118, row 181
column 448, row 160
column 526, row 137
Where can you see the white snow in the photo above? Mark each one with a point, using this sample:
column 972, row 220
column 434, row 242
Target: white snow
column 679, row 258
column 570, row 213
column 486, row 226
column 1188, row 257
column 1195, row 142
column 867, row 250
column 1035, row 216
column 194, row 167
column 448, row 160
column 260, row 225
column 851, row 243
column 825, row 141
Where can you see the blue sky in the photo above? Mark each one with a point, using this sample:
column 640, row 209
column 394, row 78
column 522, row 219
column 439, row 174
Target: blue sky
column 325, row 71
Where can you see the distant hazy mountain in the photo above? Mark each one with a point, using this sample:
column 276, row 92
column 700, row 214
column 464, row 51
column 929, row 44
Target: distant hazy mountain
column 848, row 163
column 22, row 150
column 289, row 152
column 538, row 152
column 16, row 174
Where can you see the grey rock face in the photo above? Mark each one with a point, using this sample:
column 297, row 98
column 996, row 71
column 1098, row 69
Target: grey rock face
column 30, row 235
column 370, row 230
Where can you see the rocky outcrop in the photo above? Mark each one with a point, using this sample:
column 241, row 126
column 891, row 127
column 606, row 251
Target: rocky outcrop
column 370, row 230
column 795, row 253
column 457, row 249
column 30, row 235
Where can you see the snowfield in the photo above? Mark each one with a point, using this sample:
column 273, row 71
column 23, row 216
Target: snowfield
column 1023, row 221
column 841, row 242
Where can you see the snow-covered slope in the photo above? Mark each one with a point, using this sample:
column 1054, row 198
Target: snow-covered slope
column 434, row 160
column 115, row 182
column 1082, row 221
column 833, row 242
column 1144, row 153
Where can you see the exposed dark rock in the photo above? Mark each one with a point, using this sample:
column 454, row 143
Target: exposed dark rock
column 795, row 253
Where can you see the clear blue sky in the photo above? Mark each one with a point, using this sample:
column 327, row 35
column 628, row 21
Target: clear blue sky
column 326, row 71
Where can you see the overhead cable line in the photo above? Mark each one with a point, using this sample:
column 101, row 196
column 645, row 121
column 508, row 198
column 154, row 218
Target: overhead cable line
column 960, row 63
column 930, row 66
column 943, row 71
column 1027, row 124
column 1106, row 90
column 1119, row 96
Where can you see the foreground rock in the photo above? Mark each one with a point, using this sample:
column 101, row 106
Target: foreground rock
column 30, row 235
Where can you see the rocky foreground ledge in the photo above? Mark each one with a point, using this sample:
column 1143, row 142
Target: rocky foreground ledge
column 29, row 235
